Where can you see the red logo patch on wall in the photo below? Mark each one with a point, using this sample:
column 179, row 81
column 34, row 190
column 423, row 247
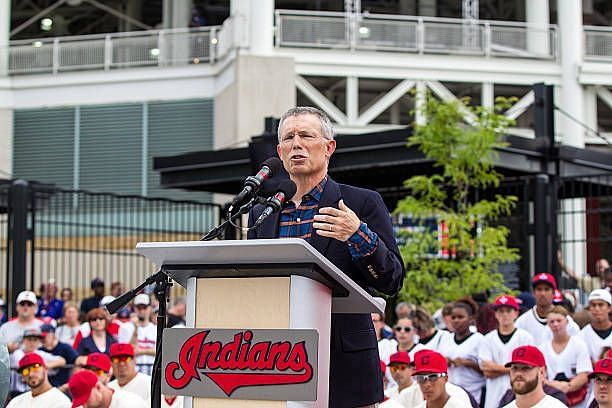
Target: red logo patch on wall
column 238, row 363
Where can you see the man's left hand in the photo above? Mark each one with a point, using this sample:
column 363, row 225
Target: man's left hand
column 338, row 223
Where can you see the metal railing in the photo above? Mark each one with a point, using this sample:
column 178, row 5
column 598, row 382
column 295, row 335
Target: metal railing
column 336, row 30
column 597, row 43
column 116, row 50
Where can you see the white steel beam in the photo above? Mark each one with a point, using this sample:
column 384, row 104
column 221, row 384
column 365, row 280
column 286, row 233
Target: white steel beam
column 384, row 102
column 421, row 95
column 520, row 106
column 605, row 95
column 352, row 99
column 446, row 95
column 487, row 95
column 320, row 100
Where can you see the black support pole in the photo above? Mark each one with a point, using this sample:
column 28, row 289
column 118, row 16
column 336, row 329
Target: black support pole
column 18, row 223
column 543, row 248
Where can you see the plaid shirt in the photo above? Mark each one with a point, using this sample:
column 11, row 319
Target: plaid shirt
column 296, row 222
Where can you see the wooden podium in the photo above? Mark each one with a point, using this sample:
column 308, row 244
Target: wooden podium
column 261, row 284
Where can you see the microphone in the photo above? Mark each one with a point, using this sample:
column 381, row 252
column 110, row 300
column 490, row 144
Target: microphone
column 285, row 191
column 252, row 183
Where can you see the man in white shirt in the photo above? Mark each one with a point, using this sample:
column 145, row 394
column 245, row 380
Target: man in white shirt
column 88, row 392
column 11, row 332
column 534, row 321
column 126, row 376
column 598, row 334
column 401, row 371
column 602, row 376
column 431, row 374
column 527, row 375
column 146, row 334
column 496, row 348
column 33, row 370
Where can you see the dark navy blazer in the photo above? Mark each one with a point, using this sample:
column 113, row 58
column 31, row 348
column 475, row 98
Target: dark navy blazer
column 355, row 378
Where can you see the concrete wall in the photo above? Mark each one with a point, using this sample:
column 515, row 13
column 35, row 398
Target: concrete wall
column 263, row 86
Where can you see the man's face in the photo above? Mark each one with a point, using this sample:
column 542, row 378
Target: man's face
column 557, row 322
column 603, row 389
column 96, row 398
column 124, row 367
column 600, row 266
column 432, row 386
column 543, row 294
column 49, row 340
column 34, row 376
column 599, row 310
column 524, row 378
column 402, row 373
column 460, row 320
column 505, row 315
column 99, row 290
column 30, row 344
column 143, row 312
column 302, row 147
column 26, row 309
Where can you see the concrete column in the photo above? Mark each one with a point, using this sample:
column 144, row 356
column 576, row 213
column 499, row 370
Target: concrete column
column 6, row 142
column 590, row 107
column 5, row 29
column 253, row 24
column 487, row 95
column 536, row 13
column 571, row 48
column 176, row 13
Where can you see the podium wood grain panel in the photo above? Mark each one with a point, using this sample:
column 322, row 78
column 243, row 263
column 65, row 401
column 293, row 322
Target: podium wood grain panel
column 253, row 303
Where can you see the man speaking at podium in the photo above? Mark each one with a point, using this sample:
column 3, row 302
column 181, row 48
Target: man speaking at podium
column 351, row 227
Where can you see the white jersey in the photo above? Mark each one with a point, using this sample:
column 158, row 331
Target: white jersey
column 17, row 383
column 594, row 342
column 12, row 331
column 140, row 385
column 177, row 403
column 52, row 398
column 412, row 396
column 573, row 360
column 387, row 347
column 493, row 349
column 146, row 338
column 451, row 403
column 536, row 326
column 390, row 403
column 436, row 340
column 546, row 402
column 125, row 399
column 468, row 378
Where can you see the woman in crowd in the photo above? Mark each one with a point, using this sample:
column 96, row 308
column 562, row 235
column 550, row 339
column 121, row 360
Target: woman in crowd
column 425, row 327
column 66, row 295
column 568, row 363
column 69, row 328
column 403, row 340
column 98, row 341
column 461, row 349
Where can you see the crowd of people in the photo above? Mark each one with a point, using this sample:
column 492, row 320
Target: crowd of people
column 63, row 354
column 525, row 351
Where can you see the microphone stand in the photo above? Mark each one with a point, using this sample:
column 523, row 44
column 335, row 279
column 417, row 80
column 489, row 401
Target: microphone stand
column 163, row 283
column 218, row 231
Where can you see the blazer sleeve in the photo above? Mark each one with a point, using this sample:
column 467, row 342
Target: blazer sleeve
column 384, row 268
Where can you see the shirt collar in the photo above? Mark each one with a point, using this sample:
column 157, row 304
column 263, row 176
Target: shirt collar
column 317, row 191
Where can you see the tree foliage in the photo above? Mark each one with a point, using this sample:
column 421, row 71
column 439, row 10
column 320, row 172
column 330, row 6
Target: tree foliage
column 464, row 258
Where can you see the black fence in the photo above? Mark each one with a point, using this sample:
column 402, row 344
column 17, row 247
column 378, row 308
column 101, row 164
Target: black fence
column 70, row 237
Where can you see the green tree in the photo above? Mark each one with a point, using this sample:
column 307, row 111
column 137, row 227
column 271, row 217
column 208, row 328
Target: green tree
column 461, row 140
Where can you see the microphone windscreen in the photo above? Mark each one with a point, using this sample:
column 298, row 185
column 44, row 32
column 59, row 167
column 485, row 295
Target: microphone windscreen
column 288, row 187
column 274, row 164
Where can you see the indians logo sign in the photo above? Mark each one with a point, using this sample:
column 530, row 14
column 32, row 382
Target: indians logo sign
column 238, row 363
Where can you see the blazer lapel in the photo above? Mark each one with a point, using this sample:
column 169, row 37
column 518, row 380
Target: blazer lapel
column 330, row 198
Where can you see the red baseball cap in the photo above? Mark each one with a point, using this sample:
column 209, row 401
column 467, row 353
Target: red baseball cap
column 602, row 367
column 383, row 367
column 505, row 301
column 80, row 385
column 100, row 361
column 401, row 357
column 429, row 361
column 609, row 353
column 30, row 359
column 557, row 296
column 121, row 349
column 544, row 278
column 528, row 355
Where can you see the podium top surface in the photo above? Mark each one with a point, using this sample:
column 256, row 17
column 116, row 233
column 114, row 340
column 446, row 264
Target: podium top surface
column 256, row 252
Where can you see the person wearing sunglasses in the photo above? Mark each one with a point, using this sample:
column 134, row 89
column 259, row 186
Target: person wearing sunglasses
column 99, row 340
column 401, row 368
column 33, row 370
column 88, row 392
column 12, row 331
column 431, row 375
column 127, row 378
column 602, row 376
column 100, row 365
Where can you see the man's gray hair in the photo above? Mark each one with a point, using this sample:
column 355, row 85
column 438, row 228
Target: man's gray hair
column 327, row 130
